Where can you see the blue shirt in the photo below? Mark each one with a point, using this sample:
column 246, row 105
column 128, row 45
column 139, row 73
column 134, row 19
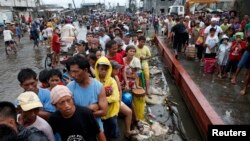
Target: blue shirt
column 88, row 95
column 44, row 96
column 18, row 31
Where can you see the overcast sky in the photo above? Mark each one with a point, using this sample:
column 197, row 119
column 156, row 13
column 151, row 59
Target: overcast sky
column 78, row 2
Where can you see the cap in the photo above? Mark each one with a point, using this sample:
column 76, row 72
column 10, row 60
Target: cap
column 139, row 31
column 115, row 65
column 118, row 41
column 213, row 19
column 101, row 29
column 58, row 92
column 117, row 28
column 81, row 42
column 127, row 34
column 28, row 101
column 224, row 37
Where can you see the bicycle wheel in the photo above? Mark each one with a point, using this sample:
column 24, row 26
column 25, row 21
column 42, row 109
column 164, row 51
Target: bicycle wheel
column 9, row 50
column 48, row 61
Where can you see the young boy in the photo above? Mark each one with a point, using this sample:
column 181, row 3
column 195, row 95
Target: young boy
column 143, row 53
column 56, row 47
column 54, row 78
column 235, row 54
column 126, row 101
column 112, row 54
column 103, row 70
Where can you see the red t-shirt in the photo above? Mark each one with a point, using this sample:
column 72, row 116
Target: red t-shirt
column 122, row 53
column 119, row 59
column 55, row 43
column 236, row 53
column 243, row 24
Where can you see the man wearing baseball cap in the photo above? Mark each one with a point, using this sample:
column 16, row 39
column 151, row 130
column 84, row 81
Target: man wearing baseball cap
column 8, row 116
column 29, row 104
column 70, row 121
column 217, row 28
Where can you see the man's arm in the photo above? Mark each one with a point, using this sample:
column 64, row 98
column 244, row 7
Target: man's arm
column 103, row 104
column 101, row 136
column 43, row 114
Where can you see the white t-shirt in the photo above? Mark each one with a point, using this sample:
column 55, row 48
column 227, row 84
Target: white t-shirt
column 7, row 35
column 44, row 33
column 211, row 42
column 202, row 24
column 42, row 125
column 49, row 31
column 103, row 40
column 68, row 30
column 217, row 28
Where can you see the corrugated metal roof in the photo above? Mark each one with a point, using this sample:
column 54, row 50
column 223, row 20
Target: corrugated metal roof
column 202, row 1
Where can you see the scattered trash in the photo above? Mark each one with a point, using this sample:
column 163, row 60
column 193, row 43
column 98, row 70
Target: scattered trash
column 156, row 91
column 158, row 129
column 154, row 99
column 155, row 71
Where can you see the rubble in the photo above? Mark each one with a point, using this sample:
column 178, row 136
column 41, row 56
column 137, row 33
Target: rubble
column 159, row 121
column 154, row 99
column 158, row 129
column 155, row 70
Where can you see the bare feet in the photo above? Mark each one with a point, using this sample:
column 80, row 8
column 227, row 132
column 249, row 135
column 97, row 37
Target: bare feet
column 131, row 133
column 243, row 91
column 233, row 81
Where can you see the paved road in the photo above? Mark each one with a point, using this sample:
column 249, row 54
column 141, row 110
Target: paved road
column 27, row 56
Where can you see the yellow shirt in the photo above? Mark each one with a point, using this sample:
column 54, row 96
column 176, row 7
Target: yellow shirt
column 143, row 52
column 113, row 101
column 114, row 98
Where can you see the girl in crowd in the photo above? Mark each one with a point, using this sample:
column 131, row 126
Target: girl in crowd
column 223, row 53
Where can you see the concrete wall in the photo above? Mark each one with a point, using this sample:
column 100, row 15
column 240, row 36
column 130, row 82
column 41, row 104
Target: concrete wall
column 18, row 3
column 158, row 5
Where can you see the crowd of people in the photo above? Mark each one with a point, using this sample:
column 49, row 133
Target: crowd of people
column 82, row 101
column 223, row 38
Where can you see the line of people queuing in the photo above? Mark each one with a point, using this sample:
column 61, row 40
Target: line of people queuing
column 223, row 37
column 83, row 102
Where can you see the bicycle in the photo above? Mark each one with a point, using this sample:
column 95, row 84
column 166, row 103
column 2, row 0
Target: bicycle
column 63, row 56
column 10, row 47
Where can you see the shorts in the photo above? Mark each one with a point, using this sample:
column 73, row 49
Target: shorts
column 56, row 50
column 111, row 129
column 49, row 40
column 245, row 60
column 45, row 38
column 232, row 66
column 7, row 43
column 146, row 71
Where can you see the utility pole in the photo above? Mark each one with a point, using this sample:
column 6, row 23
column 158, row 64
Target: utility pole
column 74, row 6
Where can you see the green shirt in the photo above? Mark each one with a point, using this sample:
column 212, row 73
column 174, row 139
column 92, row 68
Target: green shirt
column 224, row 27
column 247, row 29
